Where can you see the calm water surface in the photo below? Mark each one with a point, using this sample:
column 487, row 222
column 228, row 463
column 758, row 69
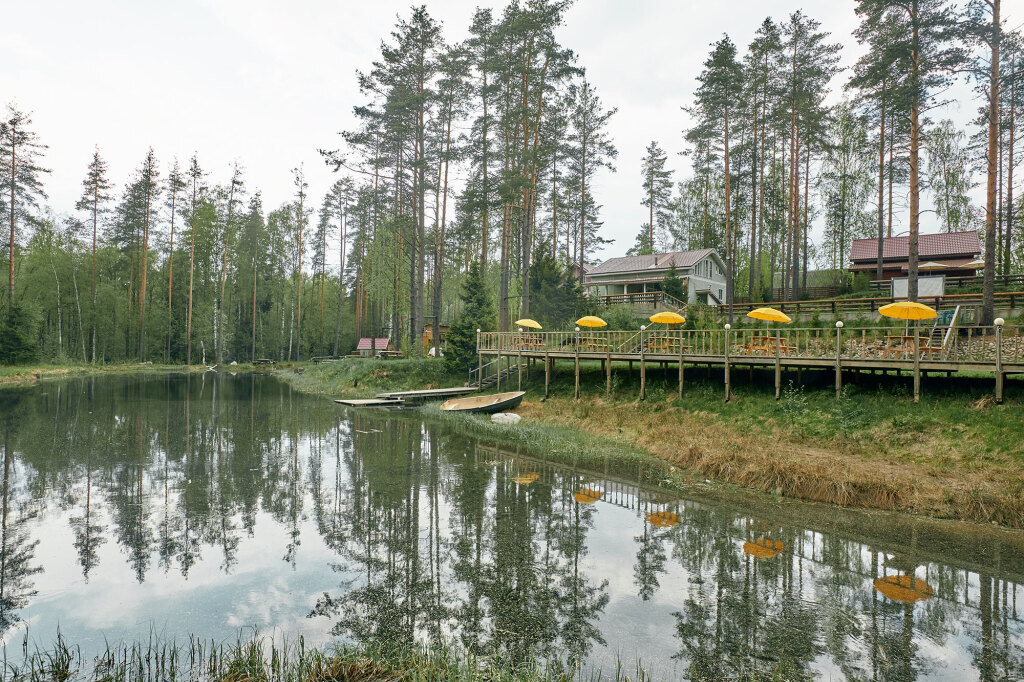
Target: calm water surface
column 213, row 505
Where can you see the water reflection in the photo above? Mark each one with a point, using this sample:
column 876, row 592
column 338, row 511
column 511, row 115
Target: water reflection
column 205, row 504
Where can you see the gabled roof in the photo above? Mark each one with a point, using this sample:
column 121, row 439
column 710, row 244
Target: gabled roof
column 654, row 261
column 382, row 343
column 930, row 246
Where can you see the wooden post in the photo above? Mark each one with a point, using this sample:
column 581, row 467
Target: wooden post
column 499, row 369
column 577, row 362
column 778, row 373
column 608, row 370
column 917, row 364
column 479, row 363
column 519, row 369
column 999, row 359
column 547, row 374
column 839, row 356
column 680, row 364
column 643, row 366
column 727, row 386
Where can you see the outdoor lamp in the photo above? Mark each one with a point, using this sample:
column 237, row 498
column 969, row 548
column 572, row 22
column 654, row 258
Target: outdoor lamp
column 643, row 327
column 728, row 326
column 839, row 324
column 999, row 322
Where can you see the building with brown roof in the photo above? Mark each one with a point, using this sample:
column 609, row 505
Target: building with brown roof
column 955, row 254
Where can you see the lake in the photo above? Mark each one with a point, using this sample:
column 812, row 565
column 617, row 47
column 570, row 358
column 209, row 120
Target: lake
column 216, row 505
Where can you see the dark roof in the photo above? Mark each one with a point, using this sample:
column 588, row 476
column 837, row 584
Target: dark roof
column 382, row 343
column 654, row 261
column 942, row 245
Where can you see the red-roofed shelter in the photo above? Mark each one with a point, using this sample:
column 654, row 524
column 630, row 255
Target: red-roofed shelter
column 954, row 254
column 367, row 346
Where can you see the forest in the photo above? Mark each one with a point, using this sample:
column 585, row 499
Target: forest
column 477, row 158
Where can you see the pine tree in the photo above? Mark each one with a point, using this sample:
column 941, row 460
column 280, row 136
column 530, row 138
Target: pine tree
column 477, row 313
column 657, row 186
column 21, row 184
column 95, row 195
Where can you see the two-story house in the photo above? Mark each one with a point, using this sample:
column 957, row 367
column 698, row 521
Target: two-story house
column 702, row 270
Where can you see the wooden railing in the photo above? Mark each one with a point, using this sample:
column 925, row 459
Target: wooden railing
column 966, row 345
column 652, row 298
column 966, row 281
column 845, row 306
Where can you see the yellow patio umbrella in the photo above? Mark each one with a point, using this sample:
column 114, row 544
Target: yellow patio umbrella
column 663, row 519
column 527, row 322
column 904, row 588
column 588, row 496
column 764, row 548
column 908, row 310
column 591, row 321
column 667, row 317
column 769, row 315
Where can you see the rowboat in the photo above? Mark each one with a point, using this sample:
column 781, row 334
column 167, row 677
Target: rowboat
column 485, row 404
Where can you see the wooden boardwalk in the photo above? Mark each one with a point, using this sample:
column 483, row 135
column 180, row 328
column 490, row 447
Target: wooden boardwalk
column 998, row 350
column 428, row 393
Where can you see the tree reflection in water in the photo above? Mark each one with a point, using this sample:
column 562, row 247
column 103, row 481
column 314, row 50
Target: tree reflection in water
column 431, row 535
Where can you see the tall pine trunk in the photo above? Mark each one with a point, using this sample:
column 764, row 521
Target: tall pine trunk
column 988, row 284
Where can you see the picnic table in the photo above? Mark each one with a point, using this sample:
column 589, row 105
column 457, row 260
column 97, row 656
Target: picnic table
column 666, row 344
column 528, row 343
column 595, row 344
column 768, row 345
column 898, row 345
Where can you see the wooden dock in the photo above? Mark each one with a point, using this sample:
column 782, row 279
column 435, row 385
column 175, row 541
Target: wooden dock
column 428, row 394
column 998, row 350
column 372, row 402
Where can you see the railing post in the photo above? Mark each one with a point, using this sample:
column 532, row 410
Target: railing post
column 498, row 375
column 728, row 327
column 839, row 358
column 643, row 365
column 577, row 354
column 999, row 359
column 479, row 363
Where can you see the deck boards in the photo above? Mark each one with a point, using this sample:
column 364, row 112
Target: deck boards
column 371, row 402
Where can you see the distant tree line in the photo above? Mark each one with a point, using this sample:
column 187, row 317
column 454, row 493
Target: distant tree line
column 485, row 151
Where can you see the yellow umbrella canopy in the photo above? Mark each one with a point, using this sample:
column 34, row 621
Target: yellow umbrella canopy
column 591, row 321
column 527, row 322
column 764, row 548
column 588, row 496
column 668, row 317
column 769, row 315
column 904, row 588
column 663, row 519
column 908, row 310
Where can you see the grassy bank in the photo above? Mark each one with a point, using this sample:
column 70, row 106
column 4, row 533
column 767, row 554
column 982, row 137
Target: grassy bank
column 264, row 660
column 955, row 455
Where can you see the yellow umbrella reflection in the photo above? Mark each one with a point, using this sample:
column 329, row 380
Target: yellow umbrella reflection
column 588, row 496
column 527, row 479
column 904, row 588
column 663, row 519
column 765, row 548
column 591, row 321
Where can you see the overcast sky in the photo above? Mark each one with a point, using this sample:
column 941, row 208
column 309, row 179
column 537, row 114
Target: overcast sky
column 267, row 82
